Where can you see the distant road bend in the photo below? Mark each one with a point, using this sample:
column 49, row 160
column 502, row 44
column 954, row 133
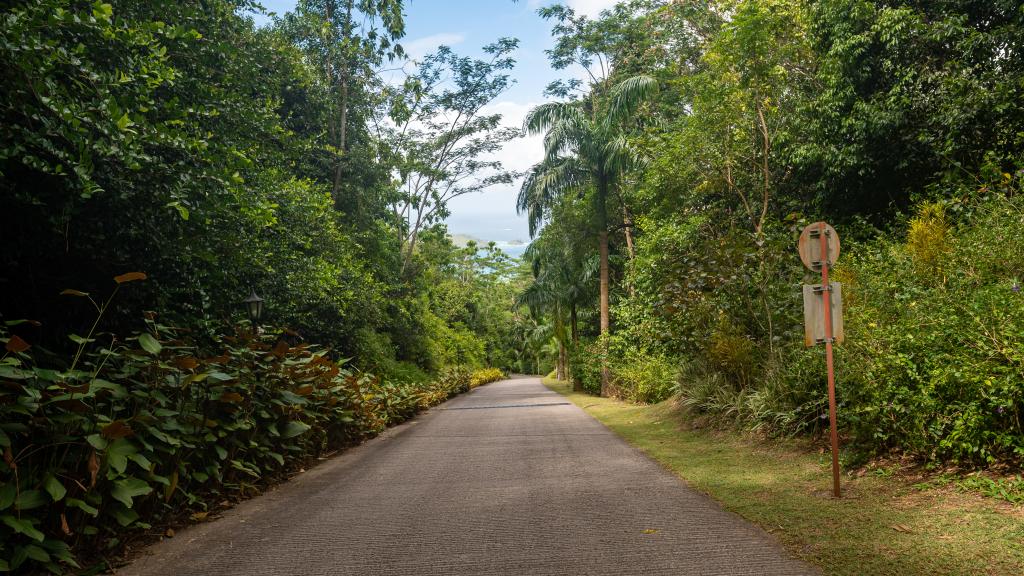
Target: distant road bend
column 508, row 479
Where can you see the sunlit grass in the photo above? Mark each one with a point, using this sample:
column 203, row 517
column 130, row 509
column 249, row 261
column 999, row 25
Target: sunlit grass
column 883, row 525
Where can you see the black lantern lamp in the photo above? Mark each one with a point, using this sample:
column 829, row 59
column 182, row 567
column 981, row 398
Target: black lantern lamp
column 254, row 305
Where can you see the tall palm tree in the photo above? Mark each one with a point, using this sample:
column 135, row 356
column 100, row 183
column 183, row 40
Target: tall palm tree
column 585, row 150
column 559, row 285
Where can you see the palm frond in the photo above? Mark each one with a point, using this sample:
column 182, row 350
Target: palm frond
column 565, row 137
column 627, row 96
column 544, row 184
column 618, row 156
column 543, row 117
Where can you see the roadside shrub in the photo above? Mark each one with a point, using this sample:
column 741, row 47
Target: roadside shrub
column 932, row 363
column 485, row 376
column 398, row 371
column 732, row 352
column 448, row 383
column 645, row 379
column 705, row 391
column 585, row 367
column 928, row 239
column 136, row 431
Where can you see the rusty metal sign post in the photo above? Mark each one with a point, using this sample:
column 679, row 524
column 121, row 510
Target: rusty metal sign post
column 823, row 315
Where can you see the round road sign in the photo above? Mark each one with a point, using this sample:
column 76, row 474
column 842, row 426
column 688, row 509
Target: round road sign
column 810, row 245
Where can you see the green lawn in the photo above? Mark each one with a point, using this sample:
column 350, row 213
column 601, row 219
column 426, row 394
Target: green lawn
column 883, row 525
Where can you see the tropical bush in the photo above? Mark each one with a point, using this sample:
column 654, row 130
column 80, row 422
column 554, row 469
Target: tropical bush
column 932, row 363
column 485, row 376
column 645, row 379
column 896, row 122
column 935, row 359
column 585, row 367
column 134, row 432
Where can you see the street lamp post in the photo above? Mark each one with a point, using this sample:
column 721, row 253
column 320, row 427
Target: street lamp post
column 254, row 306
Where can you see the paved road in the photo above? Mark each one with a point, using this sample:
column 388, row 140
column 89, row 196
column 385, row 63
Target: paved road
column 508, row 479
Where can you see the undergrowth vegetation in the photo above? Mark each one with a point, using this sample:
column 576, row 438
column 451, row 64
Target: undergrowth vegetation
column 226, row 158
column 675, row 264
column 485, row 376
column 152, row 428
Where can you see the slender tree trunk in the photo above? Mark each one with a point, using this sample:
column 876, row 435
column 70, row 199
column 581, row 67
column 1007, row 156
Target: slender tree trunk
column 343, row 78
column 332, row 132
column 627, row 221
column 577, row 385
column 560, row 370
column 605, row 314
column 568, row 369
column 341, row 131
column 575, row 326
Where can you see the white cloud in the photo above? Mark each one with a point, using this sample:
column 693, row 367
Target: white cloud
column 490, row 213
column 420, row 47
column 589, row 8
column 521, row 153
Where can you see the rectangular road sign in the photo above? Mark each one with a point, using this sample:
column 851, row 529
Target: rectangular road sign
column 814, row 314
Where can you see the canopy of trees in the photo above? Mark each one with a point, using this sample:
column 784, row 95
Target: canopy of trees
column 159, row 161
column 899, row 122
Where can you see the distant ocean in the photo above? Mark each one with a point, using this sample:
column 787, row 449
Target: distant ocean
column 497, row 227
column 514, row 250
column 510, row 232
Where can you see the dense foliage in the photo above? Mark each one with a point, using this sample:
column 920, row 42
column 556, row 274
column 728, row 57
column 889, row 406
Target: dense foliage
column 898, row 122
column 149, row 430
column 217, row 158
column 195, row 157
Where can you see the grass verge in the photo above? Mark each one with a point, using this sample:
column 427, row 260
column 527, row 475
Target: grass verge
column 885, row 524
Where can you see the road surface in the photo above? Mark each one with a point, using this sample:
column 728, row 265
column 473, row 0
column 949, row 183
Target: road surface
column 508, row 479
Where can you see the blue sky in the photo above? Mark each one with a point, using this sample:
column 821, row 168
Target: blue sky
column 466, row 26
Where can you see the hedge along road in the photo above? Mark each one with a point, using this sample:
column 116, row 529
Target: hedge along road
column 508, row 479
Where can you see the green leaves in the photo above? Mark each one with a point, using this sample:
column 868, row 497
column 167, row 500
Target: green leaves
column 150, row 344
column 294, row 428
column 29, row 499
column 124, row 122
column 8, row 492
column 117, row 454
column 83, row 506
column 54, row 487
column 22, row 526
column 126, row 489
column 102, row 10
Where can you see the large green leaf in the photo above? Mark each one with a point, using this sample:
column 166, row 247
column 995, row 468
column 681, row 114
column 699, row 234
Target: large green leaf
column 54, row 487
column 29, row 499
column 61, row 551
column 8, row 492
column 36, row 553
column 142, row 461
column 293, row 398
column 96, row 441
column 81, row 505
column 124, row 516
column 118, row 452
column 149, row 344
column 126, row 489
column 22, row 526
column 294, row 428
